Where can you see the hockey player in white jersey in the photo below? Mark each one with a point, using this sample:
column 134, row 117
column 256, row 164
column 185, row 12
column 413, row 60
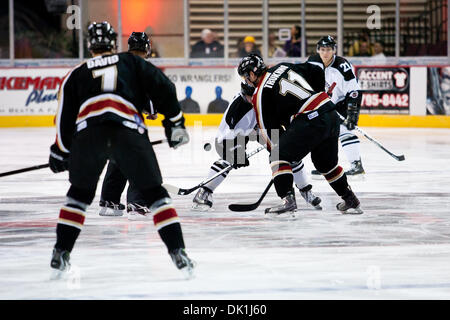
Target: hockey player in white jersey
column 237, row 126
column 343, row 87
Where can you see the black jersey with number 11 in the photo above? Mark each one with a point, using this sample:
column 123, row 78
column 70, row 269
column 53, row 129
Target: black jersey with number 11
column 285, row 91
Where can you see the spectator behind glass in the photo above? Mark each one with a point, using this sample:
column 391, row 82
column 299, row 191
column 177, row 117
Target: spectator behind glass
column 274, row 49
column 364, row 49
column 249, row 47
column 207, row 47
column 378, row 57
column 293, row 47
column 354, row 49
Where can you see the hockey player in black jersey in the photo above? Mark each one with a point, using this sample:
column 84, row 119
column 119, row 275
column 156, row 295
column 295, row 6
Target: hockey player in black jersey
column 235, row 129
column 99, row 117
column 114, row 181
column 344, row 90
column 292, row 96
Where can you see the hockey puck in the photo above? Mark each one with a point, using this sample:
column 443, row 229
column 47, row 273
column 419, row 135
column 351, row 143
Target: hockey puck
column 207, row 146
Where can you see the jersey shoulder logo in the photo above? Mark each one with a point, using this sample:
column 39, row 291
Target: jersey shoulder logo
column 345, row 66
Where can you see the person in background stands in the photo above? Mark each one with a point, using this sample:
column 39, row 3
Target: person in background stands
column 249, row 47
column 207, row 47
column 293, row 47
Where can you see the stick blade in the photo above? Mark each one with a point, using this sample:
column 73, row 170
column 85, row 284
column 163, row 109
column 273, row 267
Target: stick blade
column 401, row 158
column 171, row 188
column 242, row 207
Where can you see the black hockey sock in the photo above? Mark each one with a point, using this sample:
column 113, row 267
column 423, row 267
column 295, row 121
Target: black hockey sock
column 70, row 222
column 338, row 180
column 66, row 236
column 282, row 177
column 172, row 236
column 167, row 222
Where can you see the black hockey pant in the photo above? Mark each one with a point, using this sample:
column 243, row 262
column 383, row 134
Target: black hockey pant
column 318, row 136
column 114, row 184
column 130, row 151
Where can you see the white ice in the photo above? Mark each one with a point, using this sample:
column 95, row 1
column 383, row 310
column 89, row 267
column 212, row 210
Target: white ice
column 398, row 249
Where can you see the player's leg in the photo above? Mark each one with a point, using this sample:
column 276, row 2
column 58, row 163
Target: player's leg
column 142, row 170
column 351, row 146
column 137, row 206
column 302, row 183
column 112, row 188
column 325, row 158
column 294, row 145
column 203, row 200
column 88, row 157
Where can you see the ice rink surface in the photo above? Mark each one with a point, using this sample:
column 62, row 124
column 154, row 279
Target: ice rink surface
column 398, row 249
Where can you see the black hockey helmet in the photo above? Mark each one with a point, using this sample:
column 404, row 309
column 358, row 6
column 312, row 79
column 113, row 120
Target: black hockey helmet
column 101, row 37
column 139, row 41
column 251, row 62
column 326, row 41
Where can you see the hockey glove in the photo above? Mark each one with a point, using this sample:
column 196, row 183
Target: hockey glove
column 175, row 132
column 58, row 160
column 246, row 89
column 352, row 116
column 235, row 152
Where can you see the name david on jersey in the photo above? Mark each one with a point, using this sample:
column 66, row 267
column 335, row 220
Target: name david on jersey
column 102, row 61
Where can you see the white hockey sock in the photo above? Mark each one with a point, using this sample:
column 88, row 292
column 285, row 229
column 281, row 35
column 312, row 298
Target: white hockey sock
column 350, row 145
column 300, row 176
column 217, row 166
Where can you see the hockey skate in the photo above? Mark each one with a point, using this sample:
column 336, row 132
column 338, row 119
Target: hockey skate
column 356, row 170
column 60, row 263
column 182, row 262
column 203, row 200
column 109, row 208
column 289, row 205
column 310, row 197
column 351, row 204
column 137, row 212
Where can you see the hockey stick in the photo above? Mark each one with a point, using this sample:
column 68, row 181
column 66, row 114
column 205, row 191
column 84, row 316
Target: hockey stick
column 180, row 191
column 40, row 166
column 250, row 206
column 396, row 157
column 46, row 165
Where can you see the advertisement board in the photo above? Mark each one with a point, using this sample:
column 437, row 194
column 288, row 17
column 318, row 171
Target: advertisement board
column 30, row 91
column 385, row 89
column 204, row 89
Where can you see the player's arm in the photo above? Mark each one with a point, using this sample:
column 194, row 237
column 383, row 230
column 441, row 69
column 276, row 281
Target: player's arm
column 315, row 77
column 352, row 99
column 65, row 119
column 234, row 130
column 163, row 95
column 266, row 118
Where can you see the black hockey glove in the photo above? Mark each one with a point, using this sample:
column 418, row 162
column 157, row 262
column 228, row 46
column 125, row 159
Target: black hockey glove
column 175, row 132
column 58, row 160
column 235, row 152
column 246, row 89
column 352, row 116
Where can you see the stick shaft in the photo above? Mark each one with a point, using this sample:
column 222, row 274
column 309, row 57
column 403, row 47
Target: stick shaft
column 9, row 173
column 181, row 191
column 46, row 165
column 399, row 158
